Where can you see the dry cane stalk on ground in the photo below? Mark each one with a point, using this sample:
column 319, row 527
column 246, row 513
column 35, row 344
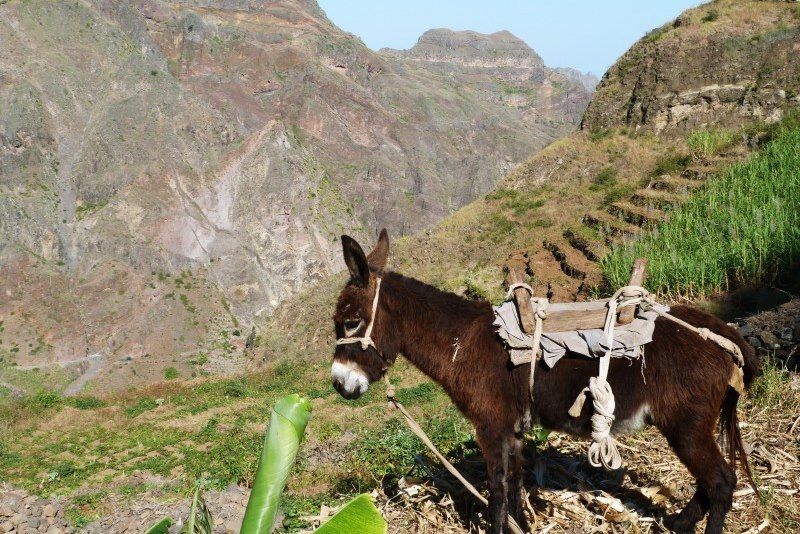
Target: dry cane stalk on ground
column 573, row 497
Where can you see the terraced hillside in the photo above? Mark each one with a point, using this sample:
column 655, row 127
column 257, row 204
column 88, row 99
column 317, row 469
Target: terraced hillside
column 618, row 222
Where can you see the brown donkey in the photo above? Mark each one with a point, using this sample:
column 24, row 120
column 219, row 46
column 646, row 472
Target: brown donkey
column 683, row 388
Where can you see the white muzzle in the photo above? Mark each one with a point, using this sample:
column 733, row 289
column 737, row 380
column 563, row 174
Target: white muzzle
column 349, row 379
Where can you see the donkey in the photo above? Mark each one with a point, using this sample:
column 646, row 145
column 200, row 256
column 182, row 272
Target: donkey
column 683, row 388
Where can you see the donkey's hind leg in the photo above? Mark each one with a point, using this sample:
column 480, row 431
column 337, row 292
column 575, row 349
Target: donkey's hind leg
column 716, row 480
column 693, row 512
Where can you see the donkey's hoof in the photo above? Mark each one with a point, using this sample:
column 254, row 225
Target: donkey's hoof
column 680, row 524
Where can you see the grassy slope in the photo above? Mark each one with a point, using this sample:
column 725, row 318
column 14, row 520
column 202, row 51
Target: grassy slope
column 155, row 443
column 744, row 228
column 177, row 432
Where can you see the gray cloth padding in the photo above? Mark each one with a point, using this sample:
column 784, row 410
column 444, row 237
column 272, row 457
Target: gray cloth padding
column 628, row 339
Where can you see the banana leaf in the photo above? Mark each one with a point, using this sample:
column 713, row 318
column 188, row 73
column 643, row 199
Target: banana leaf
column 162, row 527
column 286, row 428
column 359, row 515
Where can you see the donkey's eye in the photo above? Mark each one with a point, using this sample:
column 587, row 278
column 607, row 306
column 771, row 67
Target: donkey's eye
column 351, row 326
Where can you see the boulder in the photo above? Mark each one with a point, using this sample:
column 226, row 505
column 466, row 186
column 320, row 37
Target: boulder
column 769, row 339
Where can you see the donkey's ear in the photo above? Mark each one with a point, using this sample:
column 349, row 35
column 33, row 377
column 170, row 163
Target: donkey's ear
column 355, row 260
column 377, row 258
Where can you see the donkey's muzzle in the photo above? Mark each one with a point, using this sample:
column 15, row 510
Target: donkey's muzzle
column 349, row 395
column 349, row 380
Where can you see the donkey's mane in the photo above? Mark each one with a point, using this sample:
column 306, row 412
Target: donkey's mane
column 422, row 296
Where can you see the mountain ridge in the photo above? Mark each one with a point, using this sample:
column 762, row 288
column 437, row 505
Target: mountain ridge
column 471, row 49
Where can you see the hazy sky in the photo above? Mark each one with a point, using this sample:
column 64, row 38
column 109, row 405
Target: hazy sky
column 585, row 34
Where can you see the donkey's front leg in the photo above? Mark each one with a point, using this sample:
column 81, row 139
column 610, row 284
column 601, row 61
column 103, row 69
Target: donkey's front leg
column 495, row 448
column 515, row 480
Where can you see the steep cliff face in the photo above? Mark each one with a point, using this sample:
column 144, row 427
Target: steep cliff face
column 724, row 63
column 170, row 170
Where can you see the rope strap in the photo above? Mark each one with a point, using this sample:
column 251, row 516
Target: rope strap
column 603, row 450
column 517, row 285
column 540, row 313
column 417, row 430
column 539, row 305
column 366, row 339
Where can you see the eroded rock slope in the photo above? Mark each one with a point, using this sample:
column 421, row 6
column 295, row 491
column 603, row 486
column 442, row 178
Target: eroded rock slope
column 171, row 170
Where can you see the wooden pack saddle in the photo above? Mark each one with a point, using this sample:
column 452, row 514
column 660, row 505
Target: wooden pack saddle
column 563, row 317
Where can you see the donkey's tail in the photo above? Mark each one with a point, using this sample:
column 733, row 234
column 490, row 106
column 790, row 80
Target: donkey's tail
column 752, row 363
column 729, row 421
column 729, row 426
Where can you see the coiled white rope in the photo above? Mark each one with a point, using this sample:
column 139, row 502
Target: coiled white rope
column 603, row 450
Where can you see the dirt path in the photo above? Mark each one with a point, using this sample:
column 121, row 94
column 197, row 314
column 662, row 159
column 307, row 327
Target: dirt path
column 23, row 512
column 96, row 362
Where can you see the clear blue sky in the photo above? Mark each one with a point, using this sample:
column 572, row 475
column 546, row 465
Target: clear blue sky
column 585, row 34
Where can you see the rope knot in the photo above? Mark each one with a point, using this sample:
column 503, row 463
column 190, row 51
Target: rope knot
column 603, row 450
column 518, row 285
column 539, row 305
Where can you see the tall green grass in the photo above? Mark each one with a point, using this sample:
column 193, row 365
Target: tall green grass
column 742, row 229
column 707, row 143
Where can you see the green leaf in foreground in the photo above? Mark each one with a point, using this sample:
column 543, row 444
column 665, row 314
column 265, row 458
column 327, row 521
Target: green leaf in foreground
column 359, row 515
column 162, row 527
column 286, row 428
column 200, row 520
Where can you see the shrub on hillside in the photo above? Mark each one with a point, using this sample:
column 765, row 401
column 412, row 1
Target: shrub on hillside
column 86, row 402
column 710, row 16
column 170, row 373
column 607, row 177
column 707, row 143
column 671, row 164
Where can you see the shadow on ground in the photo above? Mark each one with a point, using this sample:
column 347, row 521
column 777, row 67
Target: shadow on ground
column 545, row 471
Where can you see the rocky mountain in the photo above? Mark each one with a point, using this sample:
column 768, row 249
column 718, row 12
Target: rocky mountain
column 587, row 79
column 171, row 170
column 504, row 69
column 721, row 64
column 472, row 49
